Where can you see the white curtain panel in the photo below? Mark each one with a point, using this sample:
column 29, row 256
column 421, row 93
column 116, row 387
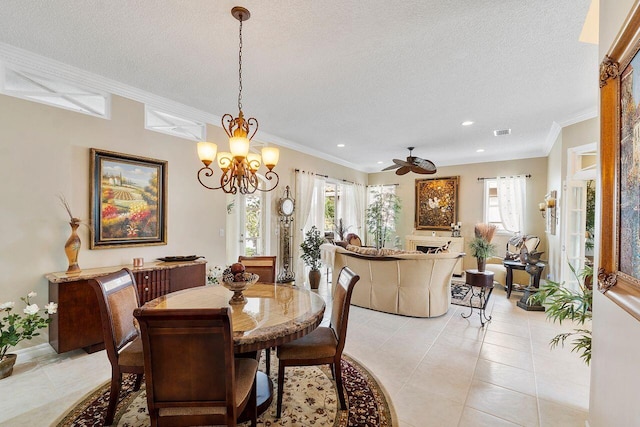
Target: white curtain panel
column 511, row 202
column 310, row 212
column 360, row 192
column 346, row 209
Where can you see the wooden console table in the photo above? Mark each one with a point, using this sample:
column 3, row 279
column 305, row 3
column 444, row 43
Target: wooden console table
column 77, row 323
column 412, row 242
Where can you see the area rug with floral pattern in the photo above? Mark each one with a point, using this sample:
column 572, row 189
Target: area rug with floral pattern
column 310, row 398
column 461, row 294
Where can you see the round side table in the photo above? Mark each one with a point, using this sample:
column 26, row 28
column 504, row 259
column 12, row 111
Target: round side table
column 482, row 280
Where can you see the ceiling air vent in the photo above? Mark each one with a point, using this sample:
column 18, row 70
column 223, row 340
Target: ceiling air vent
column 500, row 132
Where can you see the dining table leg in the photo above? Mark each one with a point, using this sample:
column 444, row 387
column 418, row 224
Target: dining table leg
column 264, row 389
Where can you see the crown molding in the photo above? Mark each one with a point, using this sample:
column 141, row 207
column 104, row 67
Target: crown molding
column 556, row 127
column 49, row 67
column 587, row 114
column 551, row 138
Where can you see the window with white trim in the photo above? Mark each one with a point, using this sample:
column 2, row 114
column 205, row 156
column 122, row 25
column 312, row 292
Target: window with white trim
column 505, row 202
column 491, row 204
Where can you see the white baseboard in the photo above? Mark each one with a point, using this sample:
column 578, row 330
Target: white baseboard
column 30, row 353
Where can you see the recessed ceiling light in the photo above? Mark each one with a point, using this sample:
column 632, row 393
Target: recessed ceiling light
column 380, row 162
column 340, row 145
column 480, row 150
column 467, row 123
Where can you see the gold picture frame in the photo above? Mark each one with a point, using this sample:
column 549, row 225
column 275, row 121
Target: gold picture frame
column 436, row 203
column 619, row 262
column 128, row 200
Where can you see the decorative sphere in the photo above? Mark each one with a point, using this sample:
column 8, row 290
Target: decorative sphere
column 237, row 268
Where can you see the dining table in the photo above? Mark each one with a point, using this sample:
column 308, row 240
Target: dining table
column 272, row 314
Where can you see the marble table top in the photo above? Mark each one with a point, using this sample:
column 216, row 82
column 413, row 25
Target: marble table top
column 92, row 273
column 273, row 314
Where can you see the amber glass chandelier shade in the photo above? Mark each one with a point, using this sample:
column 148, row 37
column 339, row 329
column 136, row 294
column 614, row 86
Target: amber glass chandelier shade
column 239, row 146
column 270, row 157
column 207, row 152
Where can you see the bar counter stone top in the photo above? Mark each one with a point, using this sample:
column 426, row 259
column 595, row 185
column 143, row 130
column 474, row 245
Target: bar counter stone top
column 90, row 273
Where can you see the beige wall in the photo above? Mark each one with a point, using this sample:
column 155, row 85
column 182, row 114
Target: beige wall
column 470, row 196
column 582, row 133
column 616, row 335
column 554, row 182
column 44, row 151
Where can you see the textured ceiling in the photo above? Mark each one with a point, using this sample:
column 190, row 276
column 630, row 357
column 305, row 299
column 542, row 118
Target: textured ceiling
column 377, row 76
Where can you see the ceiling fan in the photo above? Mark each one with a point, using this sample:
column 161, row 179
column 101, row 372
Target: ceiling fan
column 412, row 164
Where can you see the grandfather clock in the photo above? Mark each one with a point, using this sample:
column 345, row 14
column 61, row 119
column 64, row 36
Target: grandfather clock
column 286, row 207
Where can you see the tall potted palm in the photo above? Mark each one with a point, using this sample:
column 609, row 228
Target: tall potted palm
column 311, row 255
column 382, row 216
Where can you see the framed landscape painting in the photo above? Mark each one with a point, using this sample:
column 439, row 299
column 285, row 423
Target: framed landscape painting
column 436, row 203
column 128, row 200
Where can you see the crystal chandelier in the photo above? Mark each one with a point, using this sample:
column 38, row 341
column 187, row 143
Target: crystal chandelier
column 239, row 167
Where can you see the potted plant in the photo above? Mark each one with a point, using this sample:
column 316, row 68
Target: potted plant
column 15, row 327
column 481, row 247
column 340, row 229
column 382, row 215
column 311, row 254
column 562, row 303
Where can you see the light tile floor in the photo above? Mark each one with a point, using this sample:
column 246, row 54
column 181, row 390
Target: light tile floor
column 445, row 371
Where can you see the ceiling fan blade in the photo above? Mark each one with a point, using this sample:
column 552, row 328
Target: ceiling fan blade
column 401, row 162
column 422, row 171
column 427, row 165
column 388, row 168
column 403, row 170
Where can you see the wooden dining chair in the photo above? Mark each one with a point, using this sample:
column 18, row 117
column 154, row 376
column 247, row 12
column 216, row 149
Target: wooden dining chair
column 117, row 298
column 191, row 373
column 323, row 345
column 263, row 266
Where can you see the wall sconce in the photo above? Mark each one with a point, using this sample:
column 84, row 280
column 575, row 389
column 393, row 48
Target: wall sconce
column 543, row 209
column 549, row 204
column 548, row 211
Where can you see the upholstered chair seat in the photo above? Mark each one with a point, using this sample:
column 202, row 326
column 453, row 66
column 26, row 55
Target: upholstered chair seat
column 132, row 354
column 322, row 342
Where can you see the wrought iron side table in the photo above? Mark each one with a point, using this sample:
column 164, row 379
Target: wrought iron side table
column 482, row 280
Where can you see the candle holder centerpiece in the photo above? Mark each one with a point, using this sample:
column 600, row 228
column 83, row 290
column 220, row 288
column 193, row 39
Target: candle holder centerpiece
column 236, row 279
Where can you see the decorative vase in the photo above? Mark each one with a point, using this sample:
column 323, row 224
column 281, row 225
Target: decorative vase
column 72, row 246
column 314, row 278
column 482, row 262
column 6, row 365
